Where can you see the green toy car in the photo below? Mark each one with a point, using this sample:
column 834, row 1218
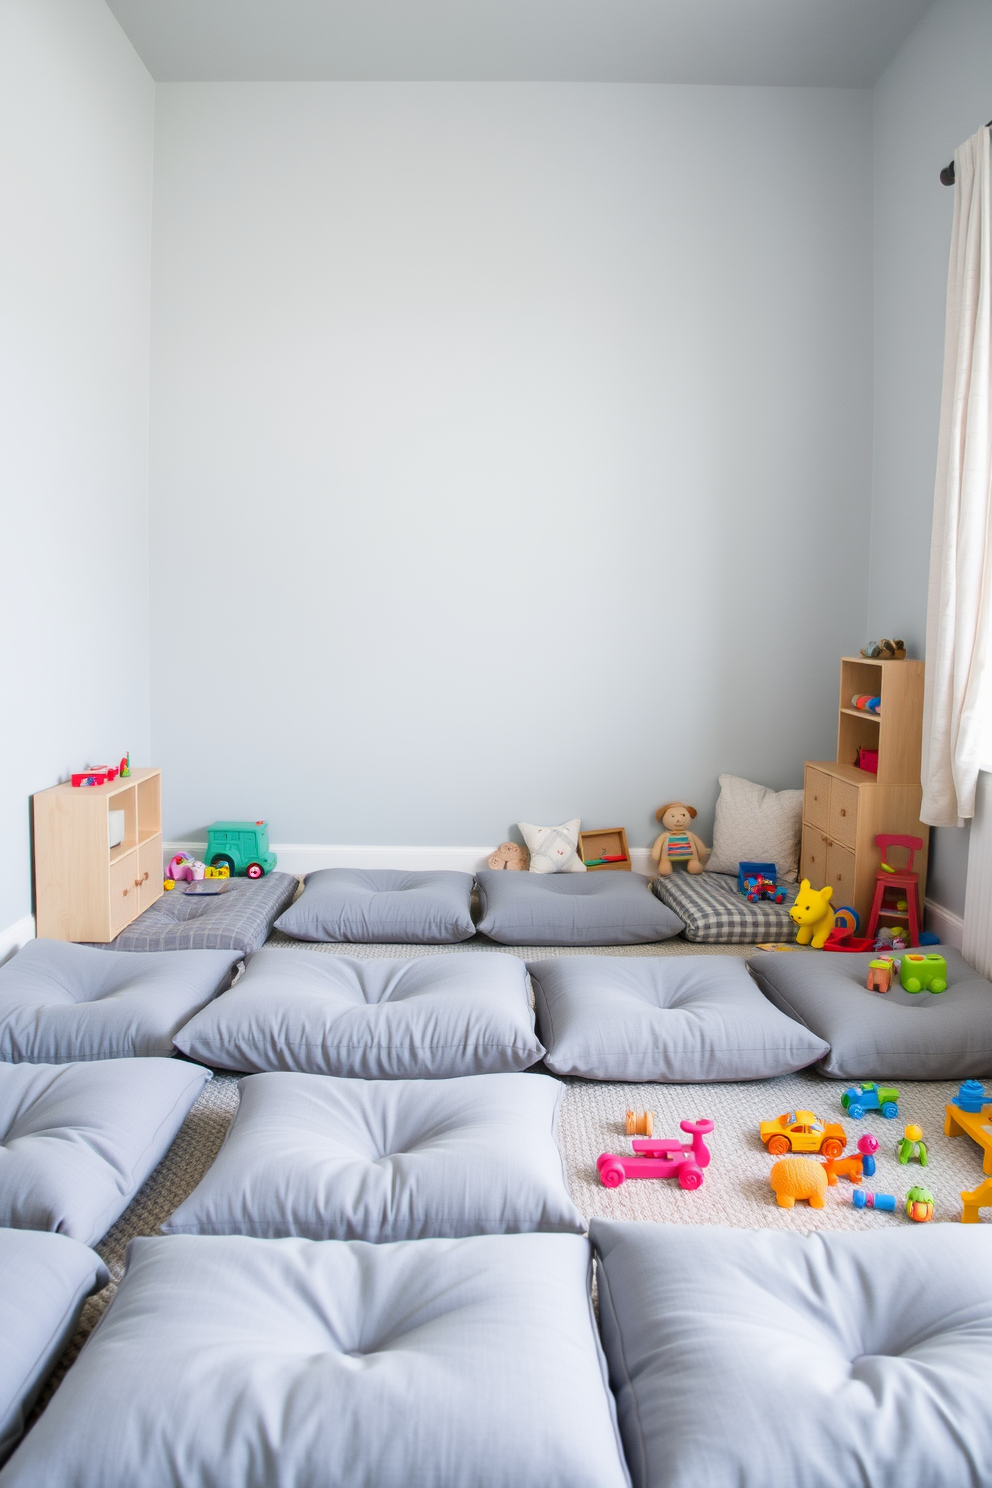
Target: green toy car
column 242, row 846
column 923, row 973
column 857, row 1099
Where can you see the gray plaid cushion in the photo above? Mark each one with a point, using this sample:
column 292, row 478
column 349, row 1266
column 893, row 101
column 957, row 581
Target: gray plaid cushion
column 239, row 920
column 715, row 913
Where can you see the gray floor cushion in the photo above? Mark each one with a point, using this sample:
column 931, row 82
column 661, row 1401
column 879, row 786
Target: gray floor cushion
column 673, row 1018
column 77, row 1141
column 335, row 1364
column 572, row 909
column 774, row 1360
column 240, row 919
column 433, row 1017
column 60, row 1003
column 383, row 1160
column 894, row 1035
column 44, row 1281
column 714, row 912
column 382, row 905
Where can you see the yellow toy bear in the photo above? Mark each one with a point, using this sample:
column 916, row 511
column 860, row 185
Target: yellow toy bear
column 813, row 915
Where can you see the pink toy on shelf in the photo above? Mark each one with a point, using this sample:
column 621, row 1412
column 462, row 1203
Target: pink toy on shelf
column 668, row 1158
column 182, row 867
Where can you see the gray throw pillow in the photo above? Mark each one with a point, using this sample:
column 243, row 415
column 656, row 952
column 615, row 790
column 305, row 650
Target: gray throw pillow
column 572, row 909
column 433, row 1017
column 678, row 1018
column 61, row 1002
column 382, row 905
column 335, row 1364
column 893, row 1035
column 385, row 1160
column 44, row 1281
column 77, row 1141
column 821, row 1360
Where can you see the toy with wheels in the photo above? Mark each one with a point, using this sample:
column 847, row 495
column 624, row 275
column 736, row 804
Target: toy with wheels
column 857, row 1099
column 668, row 1158
column 923, row 973
column 241, row 847
column 802, row 1131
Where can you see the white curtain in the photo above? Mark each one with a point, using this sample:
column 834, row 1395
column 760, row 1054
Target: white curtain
column 957, row 709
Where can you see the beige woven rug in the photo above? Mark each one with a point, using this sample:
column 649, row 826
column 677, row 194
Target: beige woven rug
column 735, row 1191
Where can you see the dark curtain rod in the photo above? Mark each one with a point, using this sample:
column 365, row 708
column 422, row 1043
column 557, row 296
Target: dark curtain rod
column 947, row 174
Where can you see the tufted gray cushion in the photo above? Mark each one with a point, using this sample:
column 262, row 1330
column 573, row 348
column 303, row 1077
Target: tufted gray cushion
column 894, row 1035
column 680, row 1018
column 386, row 1160
column 62, row 1002
column 77, row 1141
column 434, row 1017
column 44, row 1281
column 335, row 1364
column 239, row 920
column 382, row 905
column 572, row 909
column 828, row 1360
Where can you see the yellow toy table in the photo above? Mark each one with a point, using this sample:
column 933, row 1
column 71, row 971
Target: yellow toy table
column 978, row 1126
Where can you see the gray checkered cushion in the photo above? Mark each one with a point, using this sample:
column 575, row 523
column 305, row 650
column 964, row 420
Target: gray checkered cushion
column 239, row 920
column 715, row 913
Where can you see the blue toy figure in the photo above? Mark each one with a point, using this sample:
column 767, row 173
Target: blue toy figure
column 971, row 1097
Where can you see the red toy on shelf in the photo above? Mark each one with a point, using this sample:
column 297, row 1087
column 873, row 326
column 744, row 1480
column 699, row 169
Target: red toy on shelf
column 668, row 1158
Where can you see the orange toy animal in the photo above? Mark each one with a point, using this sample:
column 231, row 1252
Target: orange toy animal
column 844, row 1167
column 795, row 1178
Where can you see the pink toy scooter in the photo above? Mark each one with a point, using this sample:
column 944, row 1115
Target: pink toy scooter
column 665, row 1159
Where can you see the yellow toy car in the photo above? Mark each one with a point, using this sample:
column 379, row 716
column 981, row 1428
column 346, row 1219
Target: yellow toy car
column 220, row 871
column 801, row 1131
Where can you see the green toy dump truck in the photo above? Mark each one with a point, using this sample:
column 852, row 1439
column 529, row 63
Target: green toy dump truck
column 241, row 846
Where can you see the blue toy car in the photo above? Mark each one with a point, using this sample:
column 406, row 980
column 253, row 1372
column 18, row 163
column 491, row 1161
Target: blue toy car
column 858, row 1099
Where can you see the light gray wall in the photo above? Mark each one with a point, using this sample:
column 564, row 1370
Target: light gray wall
column 936, row 92
column 76, row 131
column 510, row 447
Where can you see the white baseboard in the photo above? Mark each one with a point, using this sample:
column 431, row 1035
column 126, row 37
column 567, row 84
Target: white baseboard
column 15, row 936
column 297, row 857
column 950, row 927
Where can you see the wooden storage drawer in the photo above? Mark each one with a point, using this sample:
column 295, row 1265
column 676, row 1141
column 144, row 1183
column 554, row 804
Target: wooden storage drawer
column 816, row 802
column 813, row 864
column 149, row 874
column 840, row 874
column 843, row 822
column 123, row 894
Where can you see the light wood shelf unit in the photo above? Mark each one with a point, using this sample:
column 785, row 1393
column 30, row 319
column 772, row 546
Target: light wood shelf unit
column 844, row 808
column 84, row 888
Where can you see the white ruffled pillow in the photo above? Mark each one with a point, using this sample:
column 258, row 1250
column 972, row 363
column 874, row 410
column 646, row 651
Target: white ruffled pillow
column 554, row 849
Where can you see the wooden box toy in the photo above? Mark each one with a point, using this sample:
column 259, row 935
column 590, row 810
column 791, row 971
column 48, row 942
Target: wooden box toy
column 606, row 848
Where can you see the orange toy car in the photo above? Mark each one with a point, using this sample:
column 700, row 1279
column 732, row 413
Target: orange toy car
column 801, row 1131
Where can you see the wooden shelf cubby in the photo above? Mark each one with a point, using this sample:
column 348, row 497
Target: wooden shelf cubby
column 84, row 888
column 844, row 807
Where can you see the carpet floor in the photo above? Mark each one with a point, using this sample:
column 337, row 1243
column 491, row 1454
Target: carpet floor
column 591, row 1120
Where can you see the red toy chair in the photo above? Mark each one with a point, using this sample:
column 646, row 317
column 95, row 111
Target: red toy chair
column 895, row 878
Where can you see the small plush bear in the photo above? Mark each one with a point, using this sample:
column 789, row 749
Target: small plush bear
column 509, row 855
column 676, row 844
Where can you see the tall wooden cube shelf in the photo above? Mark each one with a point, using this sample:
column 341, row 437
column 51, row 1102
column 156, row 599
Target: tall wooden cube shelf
column 84, row 888
column 844, row 808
